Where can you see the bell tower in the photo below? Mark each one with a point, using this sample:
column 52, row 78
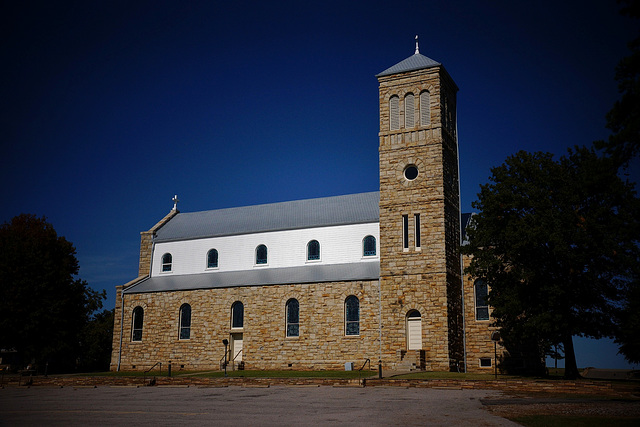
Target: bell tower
column 419, row 216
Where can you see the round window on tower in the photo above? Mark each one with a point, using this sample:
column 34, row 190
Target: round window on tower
column 411, row 172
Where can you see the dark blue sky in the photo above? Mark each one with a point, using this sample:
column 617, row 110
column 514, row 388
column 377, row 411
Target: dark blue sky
column 109, row 108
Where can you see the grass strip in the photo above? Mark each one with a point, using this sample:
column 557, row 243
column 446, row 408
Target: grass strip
column 571, row 421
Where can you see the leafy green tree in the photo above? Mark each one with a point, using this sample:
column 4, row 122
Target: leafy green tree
column 43, row 306
column 557, row 241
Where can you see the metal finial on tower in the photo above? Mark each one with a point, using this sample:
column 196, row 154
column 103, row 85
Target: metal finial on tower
column 417, row 49
column 175, row 201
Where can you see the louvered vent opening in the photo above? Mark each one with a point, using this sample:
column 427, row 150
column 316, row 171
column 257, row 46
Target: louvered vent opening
column 394, row 112
column 425, row 109
column 409, row 106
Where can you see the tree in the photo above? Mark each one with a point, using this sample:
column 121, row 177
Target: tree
column 627, row 336
column 557, row 241
column 43, row 306
column 624, row 118
column 96, row 342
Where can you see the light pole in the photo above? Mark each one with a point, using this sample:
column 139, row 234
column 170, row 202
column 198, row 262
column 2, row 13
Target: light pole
column 226, row 343
column 495, row 337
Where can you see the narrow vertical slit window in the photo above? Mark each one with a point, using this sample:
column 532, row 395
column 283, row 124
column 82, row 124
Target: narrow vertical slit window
column 352, row 315
column 417, row 224
column 237, row 315
column 293, row 318
column 482, row 308
column 405, row 231
column 185, row 322
column 137, row 323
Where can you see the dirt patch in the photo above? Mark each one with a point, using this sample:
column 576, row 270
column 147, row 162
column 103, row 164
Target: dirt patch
column 510, row 408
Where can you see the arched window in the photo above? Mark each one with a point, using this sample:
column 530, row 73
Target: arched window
column 313, row 250
column 185, row 322
column 237, row 315
column 293, row 318
column 482, row 308
column 136, row 324
column 212, row 258
column 425, row 108
column 167, row 261
column 369, row 246
column 414, row 330
column 352, row 315
column 261, row 254
column 394, row 113
column 409, row 111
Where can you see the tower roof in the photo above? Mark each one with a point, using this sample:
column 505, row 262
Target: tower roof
column 416, row 61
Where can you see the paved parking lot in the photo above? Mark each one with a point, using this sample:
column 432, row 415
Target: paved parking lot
column 280, row 405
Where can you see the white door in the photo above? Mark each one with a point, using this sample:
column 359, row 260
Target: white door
column 236, row 348
column 414, row 331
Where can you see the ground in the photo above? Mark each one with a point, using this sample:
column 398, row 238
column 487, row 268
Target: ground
column 522, row 406
column 279, row 405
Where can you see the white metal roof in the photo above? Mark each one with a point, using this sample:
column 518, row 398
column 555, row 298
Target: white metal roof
column 328, row 211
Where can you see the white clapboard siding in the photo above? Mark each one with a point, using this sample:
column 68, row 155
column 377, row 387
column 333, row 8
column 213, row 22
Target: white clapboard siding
column 288, row 248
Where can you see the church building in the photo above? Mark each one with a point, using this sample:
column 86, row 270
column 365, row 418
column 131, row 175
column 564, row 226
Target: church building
column 323, row 283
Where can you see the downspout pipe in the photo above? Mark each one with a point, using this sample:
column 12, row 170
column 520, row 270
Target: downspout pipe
column 464, row 321
column 121, row 328
column 380, row 324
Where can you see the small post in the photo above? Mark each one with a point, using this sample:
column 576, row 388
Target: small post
column 380, row 369
column 495, row 337
column 495, row 358
column 226, row 343
column 169, row 369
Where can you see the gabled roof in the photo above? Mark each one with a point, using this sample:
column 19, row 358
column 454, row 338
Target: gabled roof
column 412, row 63
column 369, row 270
column 328, row 211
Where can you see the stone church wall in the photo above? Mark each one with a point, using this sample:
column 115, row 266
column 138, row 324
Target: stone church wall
column 477, row 332
column 425, row 275
column 322, row 343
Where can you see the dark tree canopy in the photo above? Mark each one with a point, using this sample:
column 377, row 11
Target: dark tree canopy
column 557, row 241
column 628, row 335
column 43, row 306
column 624, row 118
column 95, row 343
